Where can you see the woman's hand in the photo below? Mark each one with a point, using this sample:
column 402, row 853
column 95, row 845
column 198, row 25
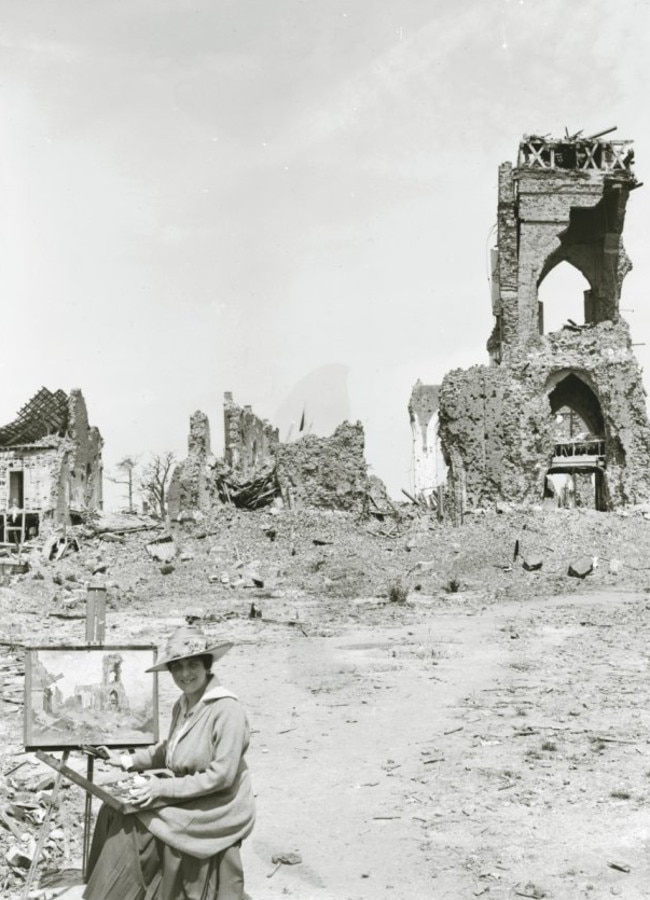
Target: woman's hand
column 111, row 757
column 146, row 793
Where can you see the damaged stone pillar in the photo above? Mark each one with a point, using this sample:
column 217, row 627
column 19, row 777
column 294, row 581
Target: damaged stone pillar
column 189, row 484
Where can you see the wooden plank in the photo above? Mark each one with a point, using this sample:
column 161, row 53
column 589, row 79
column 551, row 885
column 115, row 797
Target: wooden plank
column 95, row 789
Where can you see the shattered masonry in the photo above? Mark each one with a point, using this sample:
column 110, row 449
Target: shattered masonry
column 50, row 465
column 250, row 442
column 329, row 472
column 558, row 415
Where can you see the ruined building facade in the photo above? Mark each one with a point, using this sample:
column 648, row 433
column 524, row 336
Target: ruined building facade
column 257, row 469
column 559, row 415
column 50, row 466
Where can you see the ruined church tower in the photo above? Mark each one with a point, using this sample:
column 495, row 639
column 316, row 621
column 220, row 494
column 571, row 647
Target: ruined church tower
column 558, row 415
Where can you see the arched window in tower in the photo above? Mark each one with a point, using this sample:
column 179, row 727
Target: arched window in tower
column 562, row 296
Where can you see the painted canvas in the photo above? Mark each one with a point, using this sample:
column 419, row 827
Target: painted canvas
column 82, row 695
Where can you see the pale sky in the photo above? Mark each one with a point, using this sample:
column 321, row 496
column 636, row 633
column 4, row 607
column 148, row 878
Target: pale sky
column 274, row 196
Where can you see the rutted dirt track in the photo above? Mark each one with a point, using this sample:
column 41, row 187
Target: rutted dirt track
column 499, row 752
column 450, row 746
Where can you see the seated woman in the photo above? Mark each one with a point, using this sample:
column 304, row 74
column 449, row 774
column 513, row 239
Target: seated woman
column 187, row 849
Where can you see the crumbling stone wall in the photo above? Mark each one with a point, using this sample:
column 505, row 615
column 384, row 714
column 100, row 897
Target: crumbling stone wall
column 40, row 468
column 189, row 486
column 84, row 452
column 498, row 420
column 250, row 442
column 328, row 472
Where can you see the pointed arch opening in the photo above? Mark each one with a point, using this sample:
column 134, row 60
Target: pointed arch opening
column 563, row 297
column 576, row 474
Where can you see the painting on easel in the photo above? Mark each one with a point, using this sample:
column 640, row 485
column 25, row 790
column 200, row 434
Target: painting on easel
column 89, row 695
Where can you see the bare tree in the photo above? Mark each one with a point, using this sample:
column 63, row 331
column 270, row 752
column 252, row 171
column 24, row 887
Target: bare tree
column 155, row 479
column 126, row 467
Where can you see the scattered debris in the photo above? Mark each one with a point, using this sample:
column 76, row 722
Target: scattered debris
column 163, row 549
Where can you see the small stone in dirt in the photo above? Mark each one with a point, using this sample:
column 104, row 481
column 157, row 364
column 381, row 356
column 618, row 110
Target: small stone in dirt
column 533, row 890
column 192, row 616
column 289, row 859
column 615, row 566
column 424, row 565
column 111, row 538
column 166, row 569
column 619, row 866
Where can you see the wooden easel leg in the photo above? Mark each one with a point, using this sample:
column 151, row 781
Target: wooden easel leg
column 95, row 634
column 45, row 826
column 87, row 820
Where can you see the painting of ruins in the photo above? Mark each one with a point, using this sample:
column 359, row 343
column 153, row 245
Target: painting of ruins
column 76, row 696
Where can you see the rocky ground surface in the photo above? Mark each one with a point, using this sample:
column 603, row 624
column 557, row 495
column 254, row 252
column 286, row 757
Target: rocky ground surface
column 436, row 712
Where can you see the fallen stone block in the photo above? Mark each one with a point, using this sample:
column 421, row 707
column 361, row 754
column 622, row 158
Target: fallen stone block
column 531, row 562
column 615, row 566
column 254, row 578
column 581, row 567
column 20, row 856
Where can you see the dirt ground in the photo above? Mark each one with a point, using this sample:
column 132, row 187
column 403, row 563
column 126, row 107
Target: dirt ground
column 482, row 734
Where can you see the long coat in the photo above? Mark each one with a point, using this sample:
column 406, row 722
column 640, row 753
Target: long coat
column 212, row 804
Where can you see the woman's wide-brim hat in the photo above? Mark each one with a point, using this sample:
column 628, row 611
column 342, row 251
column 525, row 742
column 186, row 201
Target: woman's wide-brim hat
column 187, row 642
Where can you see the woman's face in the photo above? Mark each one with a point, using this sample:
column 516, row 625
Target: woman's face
column 190, row 676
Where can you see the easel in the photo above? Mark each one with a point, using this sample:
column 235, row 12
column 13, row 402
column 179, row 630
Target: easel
column 95, row 634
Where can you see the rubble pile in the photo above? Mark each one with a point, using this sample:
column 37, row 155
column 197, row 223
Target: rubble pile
column 256, row 469
column 315, row 571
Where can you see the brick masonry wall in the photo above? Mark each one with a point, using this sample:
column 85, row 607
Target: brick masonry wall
column 496, row 422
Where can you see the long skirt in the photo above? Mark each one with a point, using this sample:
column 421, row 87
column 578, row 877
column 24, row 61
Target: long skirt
column 126, row 862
